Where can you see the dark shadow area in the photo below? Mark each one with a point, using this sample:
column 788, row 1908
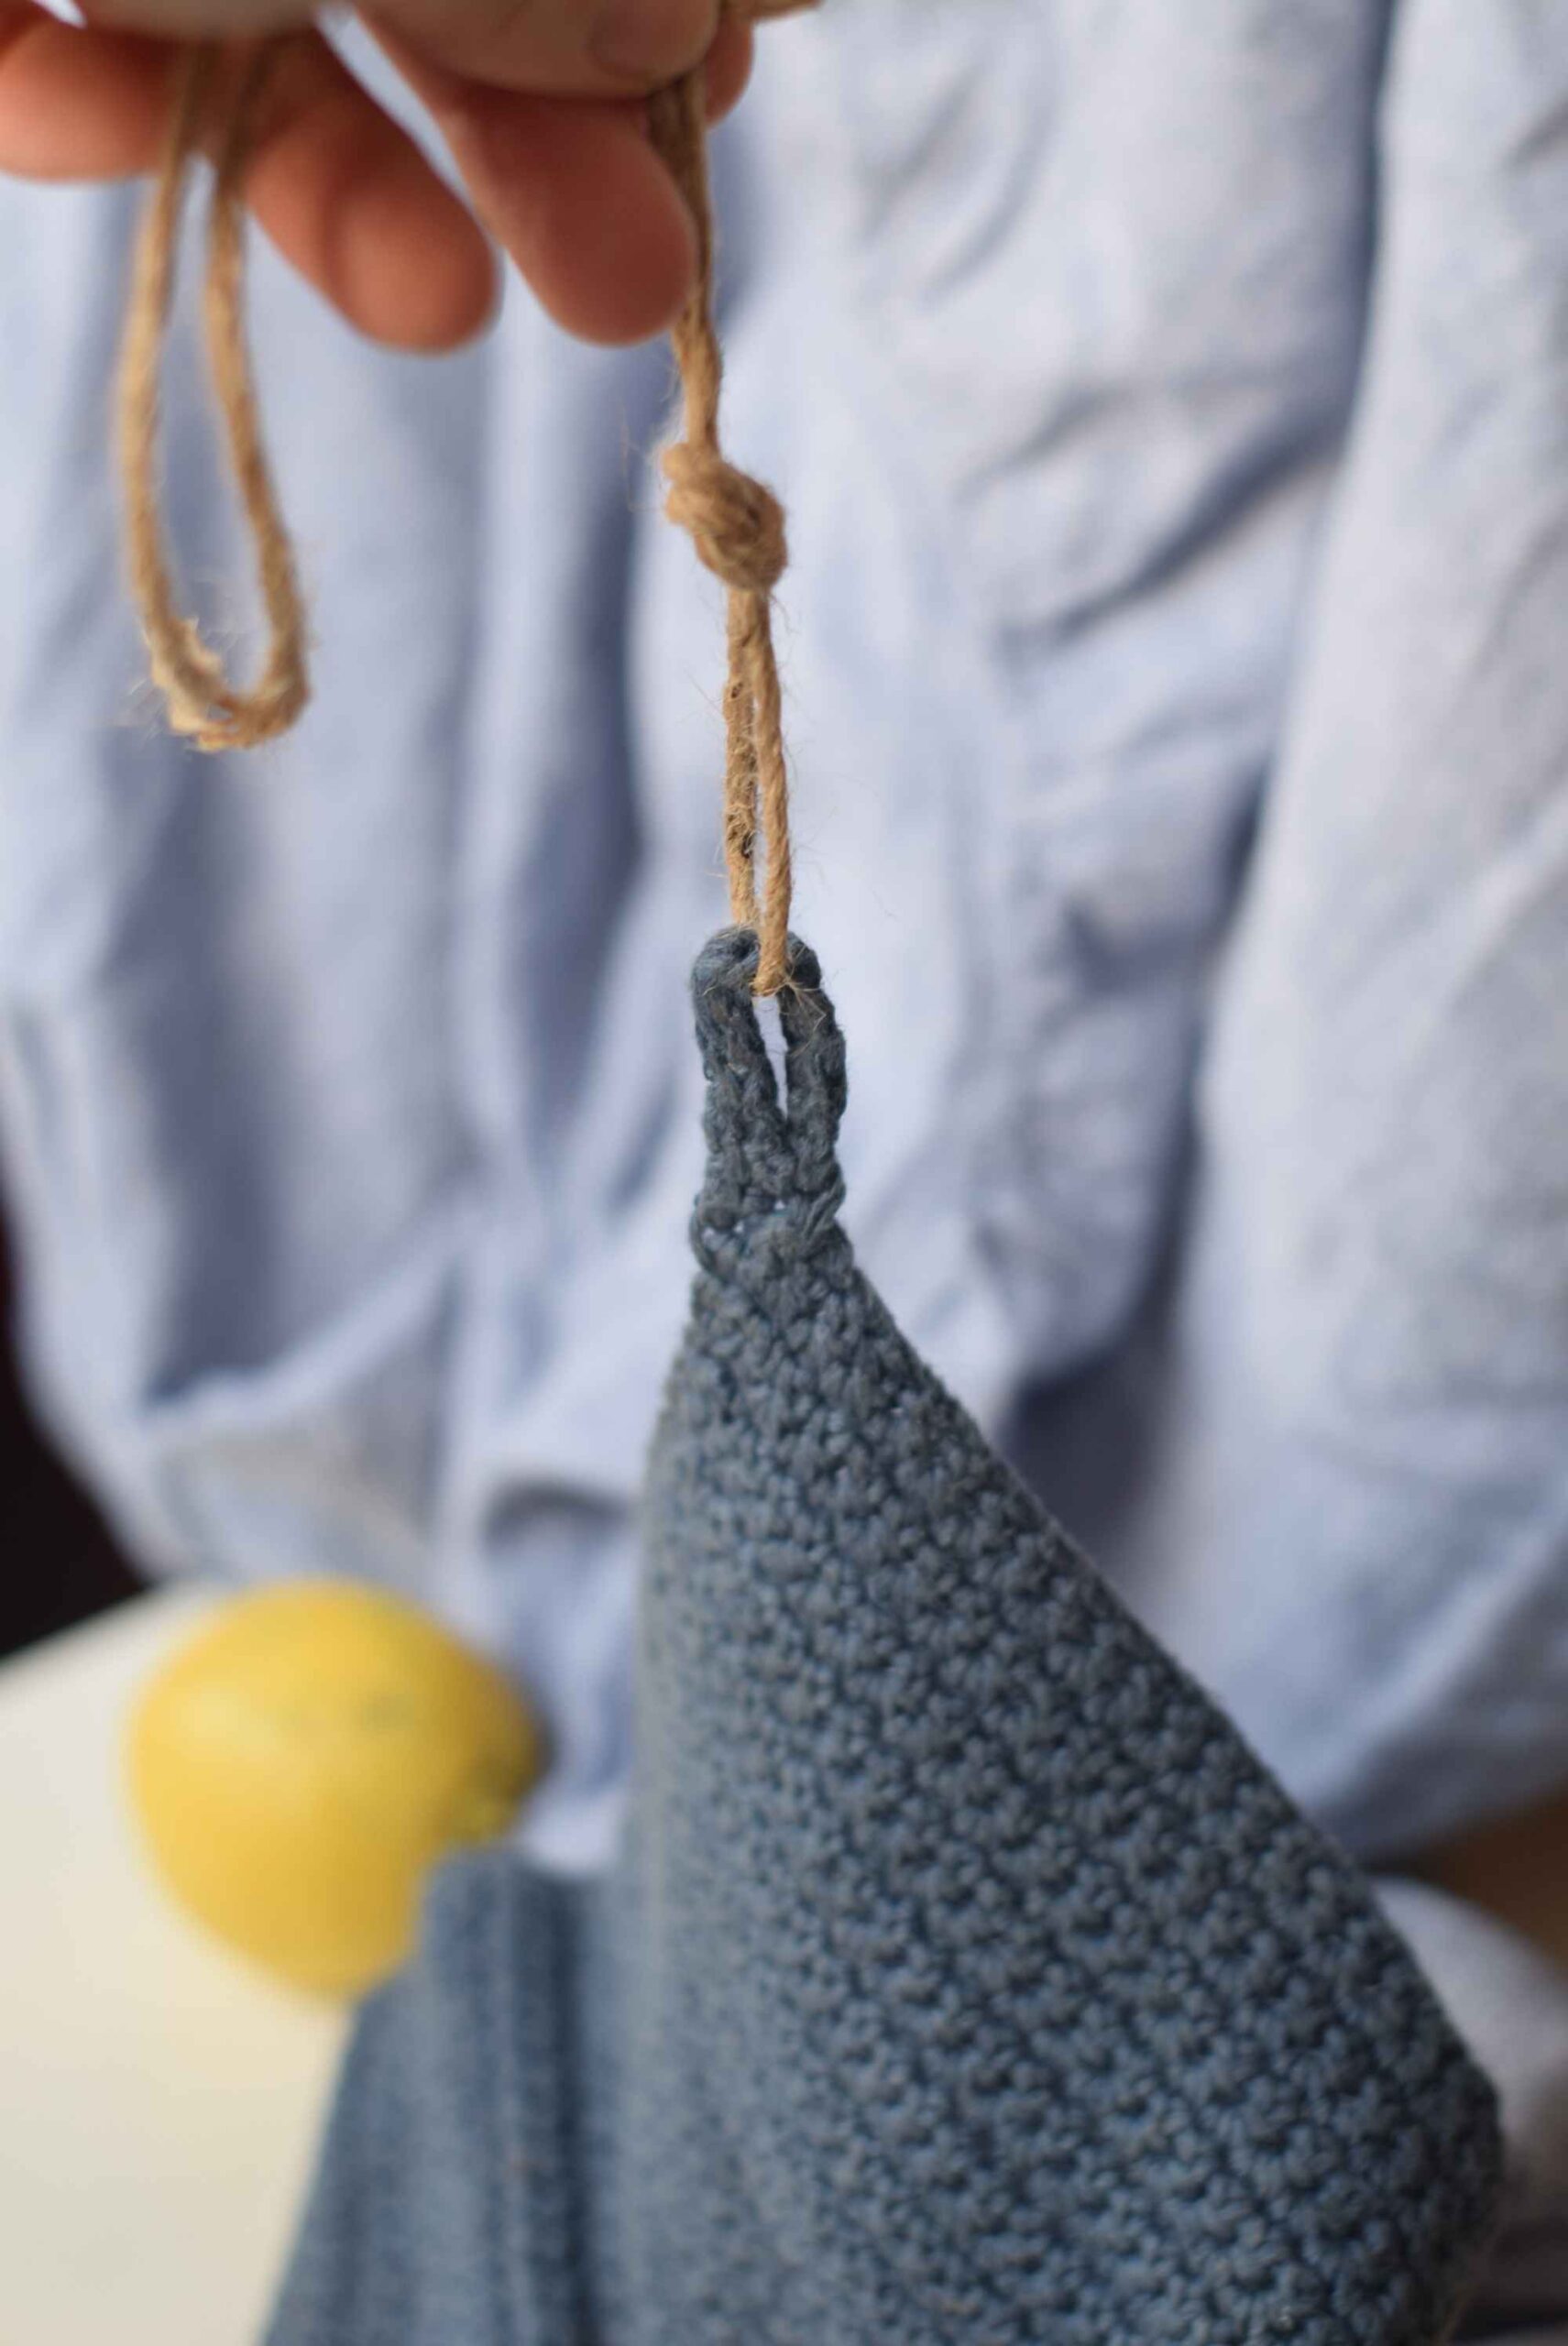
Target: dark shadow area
column 58, row 1563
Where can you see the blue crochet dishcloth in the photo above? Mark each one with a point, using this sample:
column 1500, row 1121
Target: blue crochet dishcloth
column 965, row 1982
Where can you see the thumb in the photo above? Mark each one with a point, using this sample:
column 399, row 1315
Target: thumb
column 558, row 48
column 592, row 49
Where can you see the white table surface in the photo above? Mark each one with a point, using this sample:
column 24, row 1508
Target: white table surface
column 159, row 2103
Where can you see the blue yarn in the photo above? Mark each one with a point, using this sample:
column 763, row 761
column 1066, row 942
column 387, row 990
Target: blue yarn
column 965, row 1980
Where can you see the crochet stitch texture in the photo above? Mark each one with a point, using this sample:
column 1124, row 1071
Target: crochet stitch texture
column 966, row 1982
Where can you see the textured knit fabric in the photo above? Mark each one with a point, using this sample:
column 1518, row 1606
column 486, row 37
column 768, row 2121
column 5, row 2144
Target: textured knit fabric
column 348, row 1122
column 450, row 2202
column 967, row 1982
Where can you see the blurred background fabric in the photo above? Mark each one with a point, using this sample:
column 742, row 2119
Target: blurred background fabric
column 1169, row 409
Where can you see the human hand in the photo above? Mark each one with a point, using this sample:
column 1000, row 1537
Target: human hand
column 539, row 100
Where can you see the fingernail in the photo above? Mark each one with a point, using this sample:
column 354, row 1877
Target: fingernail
column 652, row 40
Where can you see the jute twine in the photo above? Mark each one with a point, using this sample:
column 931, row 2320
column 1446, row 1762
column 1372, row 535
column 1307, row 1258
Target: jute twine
column 203, row 702
column 737, row 529
column 736, row 524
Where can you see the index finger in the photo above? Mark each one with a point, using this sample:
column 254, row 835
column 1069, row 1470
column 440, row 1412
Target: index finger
column 585, row 49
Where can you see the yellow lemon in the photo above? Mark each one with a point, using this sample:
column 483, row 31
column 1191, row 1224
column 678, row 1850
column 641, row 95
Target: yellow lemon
column 301, row 1762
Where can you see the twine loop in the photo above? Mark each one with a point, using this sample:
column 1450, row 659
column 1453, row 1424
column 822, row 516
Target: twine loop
column 204, row 705
column 736, row 524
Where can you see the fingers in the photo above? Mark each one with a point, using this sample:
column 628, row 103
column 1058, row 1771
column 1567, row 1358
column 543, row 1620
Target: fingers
column 571, row 188
column 577, row 198
column 597, row 48
column 346, row 196
column 341, row 190
column 73, row 107
column 195, row 19
column 587, row 48
column 574, row 193
column 729, row 66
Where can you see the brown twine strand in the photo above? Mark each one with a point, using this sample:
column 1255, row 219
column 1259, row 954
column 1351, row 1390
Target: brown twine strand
column 736, row 524
column 737, row 529
column 203, row 702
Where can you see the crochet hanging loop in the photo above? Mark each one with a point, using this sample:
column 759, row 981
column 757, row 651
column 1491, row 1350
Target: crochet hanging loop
column 203, row 702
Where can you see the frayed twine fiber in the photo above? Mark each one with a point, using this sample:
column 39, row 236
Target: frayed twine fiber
column 737, row 529
column 203, row 702
column 736, row 524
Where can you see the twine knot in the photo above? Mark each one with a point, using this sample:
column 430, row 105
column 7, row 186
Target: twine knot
column 736, row 524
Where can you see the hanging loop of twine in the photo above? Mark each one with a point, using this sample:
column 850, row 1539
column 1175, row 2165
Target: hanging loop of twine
column 737, row 529
column 736, row 524
column 203, row 703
